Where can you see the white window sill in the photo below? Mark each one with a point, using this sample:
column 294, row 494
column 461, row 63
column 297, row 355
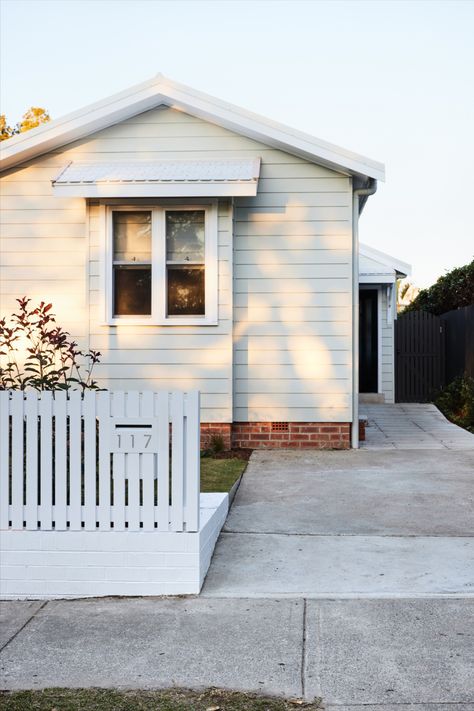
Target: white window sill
column 156, row 322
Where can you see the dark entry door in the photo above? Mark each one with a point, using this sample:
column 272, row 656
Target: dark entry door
column 368, row 341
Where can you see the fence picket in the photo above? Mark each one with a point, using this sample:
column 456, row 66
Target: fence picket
column 147, row 470
column 17, row 459
column 103, row 412
column 4, row 458
column 75, row 469
column 90, row 466
column 31, row 415
column 177, row 461
column 132, row 471
column 46, row 479
column 163, row 509
column 60, row 461
column 118, row 410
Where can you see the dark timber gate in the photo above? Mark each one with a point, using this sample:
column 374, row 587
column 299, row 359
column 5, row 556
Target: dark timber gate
column 419, row 356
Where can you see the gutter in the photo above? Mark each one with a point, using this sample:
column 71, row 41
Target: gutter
column 359, row 198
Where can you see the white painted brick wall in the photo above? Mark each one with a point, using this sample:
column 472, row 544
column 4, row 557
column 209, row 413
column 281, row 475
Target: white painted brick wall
column 61, row 564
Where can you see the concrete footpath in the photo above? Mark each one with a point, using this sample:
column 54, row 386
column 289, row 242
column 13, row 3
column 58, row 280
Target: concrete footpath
column 348, row 652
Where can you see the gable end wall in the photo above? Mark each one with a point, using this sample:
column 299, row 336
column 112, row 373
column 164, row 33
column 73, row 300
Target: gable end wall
column 282, row 348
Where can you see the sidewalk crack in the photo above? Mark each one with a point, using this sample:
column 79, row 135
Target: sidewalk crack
column 23, row 626
column 303, row 652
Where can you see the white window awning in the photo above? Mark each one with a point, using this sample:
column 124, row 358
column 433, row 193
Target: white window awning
column 166, row 178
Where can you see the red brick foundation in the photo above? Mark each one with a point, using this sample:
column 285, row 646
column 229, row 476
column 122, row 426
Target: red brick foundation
column 279, row 435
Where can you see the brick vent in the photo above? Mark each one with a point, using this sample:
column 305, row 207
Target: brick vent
column 280, row 427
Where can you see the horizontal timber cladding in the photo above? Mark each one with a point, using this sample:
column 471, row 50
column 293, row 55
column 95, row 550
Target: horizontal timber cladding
column 292, row 307
column 282, row 347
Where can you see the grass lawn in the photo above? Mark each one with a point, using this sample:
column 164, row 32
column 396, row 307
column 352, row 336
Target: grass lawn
column 167, row 700
column 220, row 474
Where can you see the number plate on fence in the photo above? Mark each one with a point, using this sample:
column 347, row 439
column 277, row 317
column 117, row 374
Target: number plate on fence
column 133, row 436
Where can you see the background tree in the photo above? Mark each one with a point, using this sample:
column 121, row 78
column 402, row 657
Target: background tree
column 452, row 291
column 35, row 116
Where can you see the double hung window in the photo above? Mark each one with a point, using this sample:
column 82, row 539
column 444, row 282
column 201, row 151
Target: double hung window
column 161, row 265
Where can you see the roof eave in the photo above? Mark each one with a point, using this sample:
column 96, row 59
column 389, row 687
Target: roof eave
column 401, row 268
column 162, row 91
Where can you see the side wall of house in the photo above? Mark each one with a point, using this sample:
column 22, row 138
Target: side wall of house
column 287, row 287
column 292, row 296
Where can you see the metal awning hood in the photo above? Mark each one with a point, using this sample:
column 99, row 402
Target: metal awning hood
column 164, row 178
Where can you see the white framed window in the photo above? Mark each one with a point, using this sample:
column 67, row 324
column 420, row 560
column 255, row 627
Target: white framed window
column 159, row 264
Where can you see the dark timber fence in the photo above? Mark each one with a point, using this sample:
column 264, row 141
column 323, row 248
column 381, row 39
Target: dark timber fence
column 459, row 342
column 419, row 356
column 430, row 351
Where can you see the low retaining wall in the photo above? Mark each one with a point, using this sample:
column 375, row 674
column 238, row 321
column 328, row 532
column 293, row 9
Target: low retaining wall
column 72, row 564
column 279, row 435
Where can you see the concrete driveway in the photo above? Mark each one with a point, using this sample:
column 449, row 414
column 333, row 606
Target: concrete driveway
column 380, row 521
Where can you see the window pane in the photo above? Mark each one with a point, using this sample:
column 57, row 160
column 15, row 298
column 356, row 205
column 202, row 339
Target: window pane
column 132, row 291
column 185, row 291
column 132, row 236
column 185, row 235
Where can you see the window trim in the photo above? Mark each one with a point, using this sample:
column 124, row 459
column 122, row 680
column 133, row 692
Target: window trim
column 158, row 315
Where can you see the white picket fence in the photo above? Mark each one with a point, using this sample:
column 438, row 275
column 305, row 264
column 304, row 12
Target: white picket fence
column 122, row 461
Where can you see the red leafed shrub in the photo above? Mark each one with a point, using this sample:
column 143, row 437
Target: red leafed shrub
column 37, row 353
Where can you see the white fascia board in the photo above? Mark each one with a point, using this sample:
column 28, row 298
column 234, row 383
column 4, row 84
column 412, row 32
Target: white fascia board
column 271, row 132
column 377, row 278
column 79, row 124
column 155, row 190
column 402, row 268
column 162, row 91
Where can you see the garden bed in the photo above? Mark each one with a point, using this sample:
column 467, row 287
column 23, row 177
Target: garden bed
column 220, row 473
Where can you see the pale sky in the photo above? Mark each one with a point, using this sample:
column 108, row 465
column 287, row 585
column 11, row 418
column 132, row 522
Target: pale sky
column 391, row 80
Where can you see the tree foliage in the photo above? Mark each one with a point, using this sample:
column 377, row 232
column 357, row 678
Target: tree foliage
column 452, row 291
column 32, row 118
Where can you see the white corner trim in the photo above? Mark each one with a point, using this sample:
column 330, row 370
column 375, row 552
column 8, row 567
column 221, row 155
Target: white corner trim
column 379, row 339
column 365, row 278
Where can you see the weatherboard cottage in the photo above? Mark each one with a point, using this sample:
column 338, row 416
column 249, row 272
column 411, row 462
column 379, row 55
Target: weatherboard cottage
column 200, row 246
